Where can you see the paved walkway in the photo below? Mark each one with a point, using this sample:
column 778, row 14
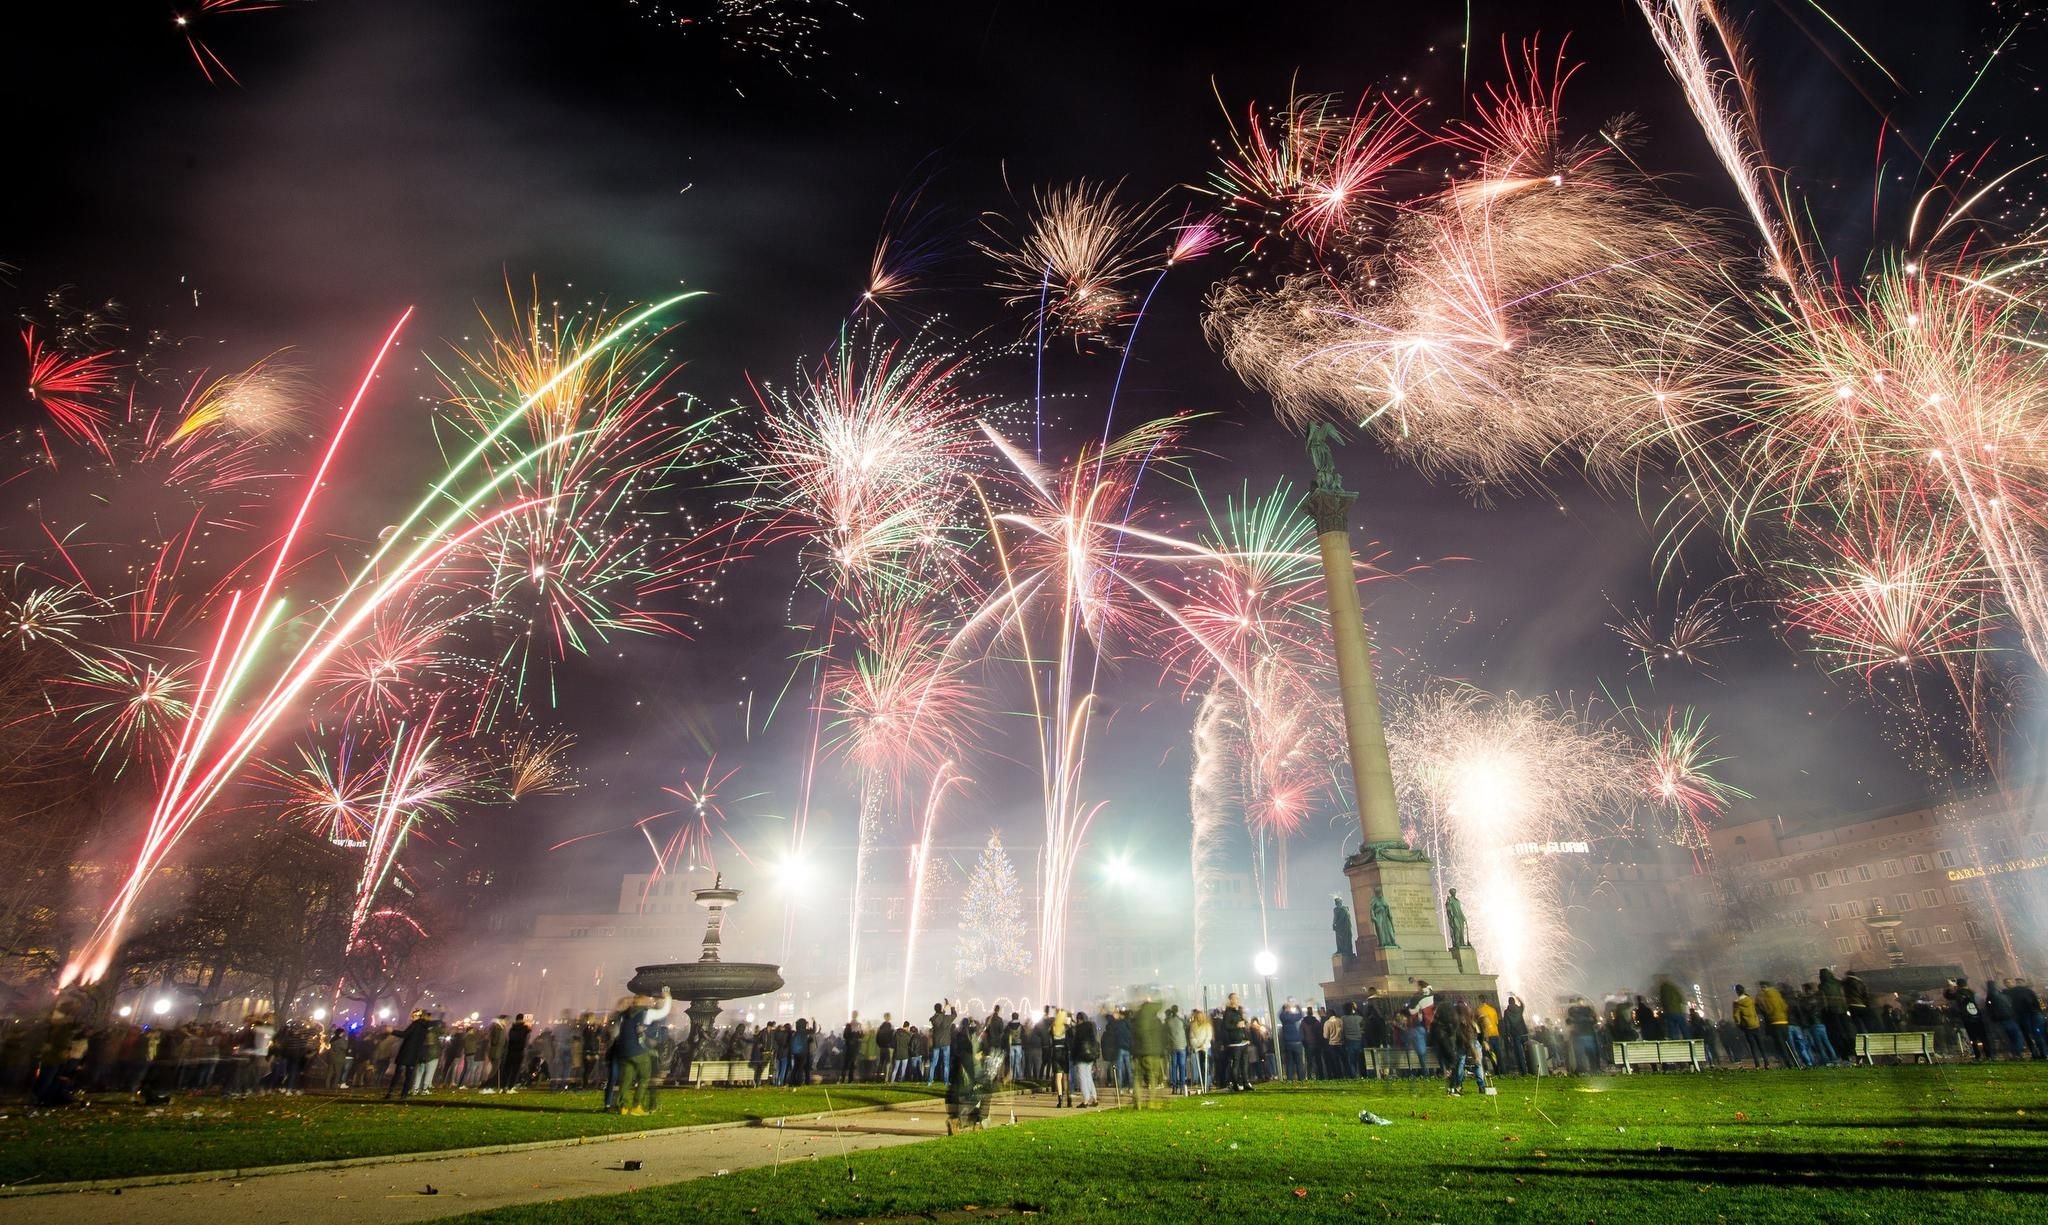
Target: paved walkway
column 396, row 1191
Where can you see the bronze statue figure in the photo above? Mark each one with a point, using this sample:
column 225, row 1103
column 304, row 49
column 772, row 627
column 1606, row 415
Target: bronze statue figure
column 1382, row 919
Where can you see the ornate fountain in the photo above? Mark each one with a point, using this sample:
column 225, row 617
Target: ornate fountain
column 707, row 982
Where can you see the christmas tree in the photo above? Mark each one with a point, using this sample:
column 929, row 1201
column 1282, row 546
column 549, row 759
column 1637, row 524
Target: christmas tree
column 992, row 917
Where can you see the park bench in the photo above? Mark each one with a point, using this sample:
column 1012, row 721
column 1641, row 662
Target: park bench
column 1656, row 1052
column 1385, row 1061
column 721, row 1072
column 1917, row 1043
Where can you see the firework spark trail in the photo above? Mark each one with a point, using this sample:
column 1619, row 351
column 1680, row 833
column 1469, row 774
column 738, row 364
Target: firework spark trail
column 589, row 449
column 191, row 786
column 901, row 709
column 1675, row 768
column 1211, row 803
column 1310, row 170
column 537, row 765
column 188, row 22
column 1455, row 331
column 412, row 789
column 868, row 462
column 944, row 779
column 1074, row 577
column 1074, row 255
column 1486, row 776
column 1681, row 28
column 66, row 386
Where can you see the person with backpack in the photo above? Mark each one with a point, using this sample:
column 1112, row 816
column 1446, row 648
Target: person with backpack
column 1087, row 1049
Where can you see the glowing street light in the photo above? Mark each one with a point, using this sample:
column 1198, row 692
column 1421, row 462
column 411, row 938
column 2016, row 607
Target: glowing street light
column 319, row 1014
column 161, row 1007
column 127, row 1011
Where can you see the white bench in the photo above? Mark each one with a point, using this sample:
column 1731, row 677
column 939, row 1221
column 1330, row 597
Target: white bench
column 1657, row 1052
column 1917, row 1043
column 721, row 1072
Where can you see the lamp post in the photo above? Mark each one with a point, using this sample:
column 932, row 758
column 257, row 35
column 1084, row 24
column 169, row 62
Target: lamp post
column 1267, row 966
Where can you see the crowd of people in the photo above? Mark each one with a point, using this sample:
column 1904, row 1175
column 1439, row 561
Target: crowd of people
column 1146, row 1048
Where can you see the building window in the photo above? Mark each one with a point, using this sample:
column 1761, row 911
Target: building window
column 1946, row 859
column 1843, row 944
column 1915, row 937
column 1863, row 941
column 1930, row 897
column 2005, row 848
column 2040, row 840
column 1902, row 901
column 1841, row 876
column 1958, row 895
column 1863, row 871
column 1892, row 867
column 1920, row 863
column 1855, row 910
column 1943, row 935
column 1834, row 912
column 1820, row 880
column 1971, row 929
column 1789, row 885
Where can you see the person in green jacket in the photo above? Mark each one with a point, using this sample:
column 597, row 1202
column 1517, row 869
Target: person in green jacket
column 871, row 1049
column 1148, row 1054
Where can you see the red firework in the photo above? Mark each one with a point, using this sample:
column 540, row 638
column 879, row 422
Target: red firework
column 65, row 386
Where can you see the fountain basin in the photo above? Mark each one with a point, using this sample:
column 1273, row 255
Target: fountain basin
column 707, row 980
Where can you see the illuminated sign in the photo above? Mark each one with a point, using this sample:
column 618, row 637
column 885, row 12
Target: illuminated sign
column 1551, row 848
column 1999, row 869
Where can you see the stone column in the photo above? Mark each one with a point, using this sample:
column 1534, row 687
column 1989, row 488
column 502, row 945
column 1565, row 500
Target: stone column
column 1379, row 819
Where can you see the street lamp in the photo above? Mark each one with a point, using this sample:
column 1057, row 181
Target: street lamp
column 161, row 1007
column 1267, row 966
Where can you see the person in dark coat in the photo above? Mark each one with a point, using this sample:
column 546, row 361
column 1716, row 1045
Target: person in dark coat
column 963, row 1090
column 1236, row 1035
column 412, row 1051
column 512, row 1069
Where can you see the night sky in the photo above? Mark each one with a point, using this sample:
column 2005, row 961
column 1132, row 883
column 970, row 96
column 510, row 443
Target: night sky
column 381, row 153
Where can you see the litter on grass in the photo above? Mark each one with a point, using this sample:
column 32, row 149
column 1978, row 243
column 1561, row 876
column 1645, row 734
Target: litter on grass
column 1367, row 1116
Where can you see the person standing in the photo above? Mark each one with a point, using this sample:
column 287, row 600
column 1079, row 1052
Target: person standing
column 1514, row 1035
column 2026, row 1013
column 512, row 1068
column 1176, row 1050
column 906, row 1039
column 430, row 1058
column 631, row 1051
column 1746, row 1019
column 412, row 1048
column 1058, row 1056
column 1584, row 1026
column 1148, row 1054
column 871, row 1048
column 1236, row 1033
column 1834, row 1013
column 1777, row 1018
column 1034, row 1049
column 1201, row 1038
column 1999, row 1019
column 1087, row 1049
column 1856, row 999
column 1489, row 1033
column 1962, row 1006
column 1117, row 1043
column 1293, row 1059
column 1013, row 1042
column 942, row 1045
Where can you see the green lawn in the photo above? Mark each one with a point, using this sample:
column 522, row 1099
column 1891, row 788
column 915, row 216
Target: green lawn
column 119, row 1139
column 1963, row 1144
